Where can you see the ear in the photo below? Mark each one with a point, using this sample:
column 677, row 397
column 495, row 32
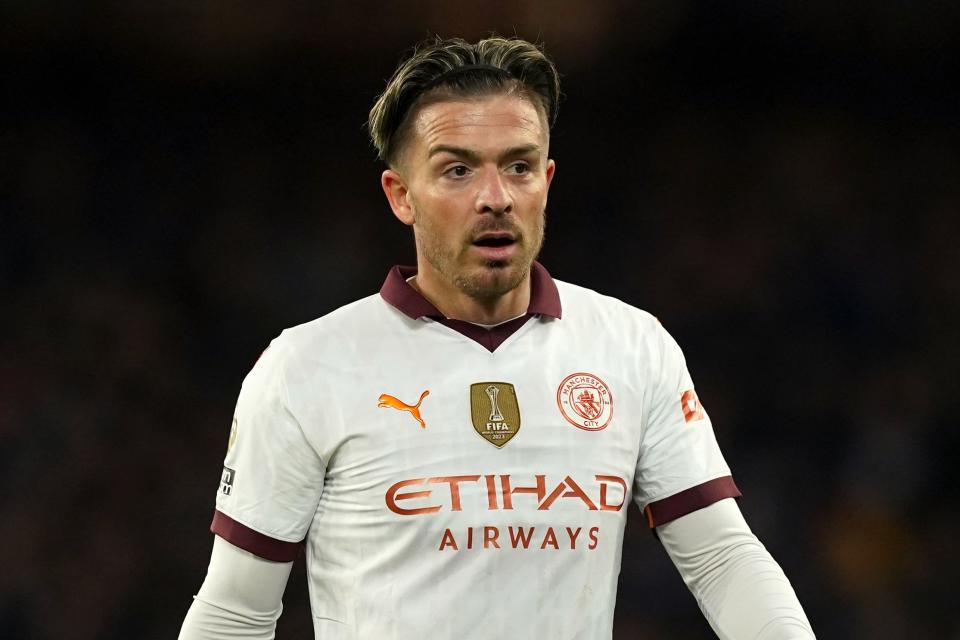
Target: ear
column 395, row 188
column 551, row 168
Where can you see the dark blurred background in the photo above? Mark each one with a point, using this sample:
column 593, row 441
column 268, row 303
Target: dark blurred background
column 778, row 182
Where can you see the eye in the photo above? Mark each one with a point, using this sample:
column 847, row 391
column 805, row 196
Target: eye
column 458, row 171
column 519, row 168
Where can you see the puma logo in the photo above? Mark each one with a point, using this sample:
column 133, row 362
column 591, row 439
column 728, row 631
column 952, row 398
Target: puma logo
column 399, row 405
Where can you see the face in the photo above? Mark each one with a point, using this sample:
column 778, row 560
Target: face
column 473, row 181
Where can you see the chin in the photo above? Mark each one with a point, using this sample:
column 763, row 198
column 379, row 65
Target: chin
column 491, row 280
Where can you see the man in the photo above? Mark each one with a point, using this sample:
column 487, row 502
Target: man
column 456, row 453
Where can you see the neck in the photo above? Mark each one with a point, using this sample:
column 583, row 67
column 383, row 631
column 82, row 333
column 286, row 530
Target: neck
column 457, row 305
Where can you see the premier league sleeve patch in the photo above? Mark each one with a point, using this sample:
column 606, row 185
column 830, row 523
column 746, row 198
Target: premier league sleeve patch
column 226, row 481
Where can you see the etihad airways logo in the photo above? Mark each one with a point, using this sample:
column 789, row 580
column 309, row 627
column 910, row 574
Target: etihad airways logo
column 503, row 492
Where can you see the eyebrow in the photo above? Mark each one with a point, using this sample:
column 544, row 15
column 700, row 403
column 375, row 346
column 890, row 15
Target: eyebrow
column 473, row 156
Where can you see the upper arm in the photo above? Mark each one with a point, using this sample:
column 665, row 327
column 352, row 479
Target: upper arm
column 680, row 467
column 241, row 596
column 239, row 579
column 273, row 476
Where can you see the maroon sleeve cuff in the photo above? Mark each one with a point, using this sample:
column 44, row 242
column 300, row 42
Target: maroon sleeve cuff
column 242, row 536
column 690, row 500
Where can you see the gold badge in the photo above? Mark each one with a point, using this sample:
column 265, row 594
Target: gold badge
column 495, row 411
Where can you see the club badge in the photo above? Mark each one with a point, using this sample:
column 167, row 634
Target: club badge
column 585, row 401
column 495, row 411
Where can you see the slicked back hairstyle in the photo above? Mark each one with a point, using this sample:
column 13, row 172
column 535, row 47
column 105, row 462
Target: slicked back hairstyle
column 441, row 69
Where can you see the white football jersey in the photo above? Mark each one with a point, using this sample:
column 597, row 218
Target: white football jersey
column 449, row 481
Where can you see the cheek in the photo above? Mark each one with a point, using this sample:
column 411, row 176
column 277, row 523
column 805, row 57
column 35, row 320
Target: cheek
column 532, row 193
column 534, row 205
column 444, row 212
column 435, row 225
column 446, row 202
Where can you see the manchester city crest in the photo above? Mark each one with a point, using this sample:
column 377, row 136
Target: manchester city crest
column 585, row 401
column 495, row 411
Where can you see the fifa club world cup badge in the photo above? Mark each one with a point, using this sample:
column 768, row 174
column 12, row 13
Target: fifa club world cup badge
column 495, row 411
column 585, row 401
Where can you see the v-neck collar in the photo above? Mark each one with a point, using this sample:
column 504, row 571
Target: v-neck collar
column 544, row 301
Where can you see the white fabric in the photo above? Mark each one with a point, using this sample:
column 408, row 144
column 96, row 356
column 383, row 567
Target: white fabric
column 675, row 454
column 240, row 597
column 317, row 456
column 741, row 590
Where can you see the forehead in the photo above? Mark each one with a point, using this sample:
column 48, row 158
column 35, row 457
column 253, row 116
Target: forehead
column 477, row 123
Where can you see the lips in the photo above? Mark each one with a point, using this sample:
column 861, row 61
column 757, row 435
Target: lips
column 494, row 239
column 495, row 246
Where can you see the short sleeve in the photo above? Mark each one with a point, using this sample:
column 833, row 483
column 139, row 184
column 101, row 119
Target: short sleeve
column 680, row 468
column 272, row 477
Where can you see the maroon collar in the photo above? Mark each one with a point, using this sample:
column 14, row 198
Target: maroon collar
column 544, row 300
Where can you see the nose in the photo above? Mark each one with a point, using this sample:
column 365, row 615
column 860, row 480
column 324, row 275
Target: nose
column 493, row 195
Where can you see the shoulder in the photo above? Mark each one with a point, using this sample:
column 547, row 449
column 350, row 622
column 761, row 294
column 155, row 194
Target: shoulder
column 334, row 339
column 586, row 308
column 352, row 321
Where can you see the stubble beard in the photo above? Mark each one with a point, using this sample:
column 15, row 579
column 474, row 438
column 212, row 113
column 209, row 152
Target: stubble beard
column 487, row 281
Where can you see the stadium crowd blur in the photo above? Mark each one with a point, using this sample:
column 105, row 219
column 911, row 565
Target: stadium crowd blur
column 781, row 187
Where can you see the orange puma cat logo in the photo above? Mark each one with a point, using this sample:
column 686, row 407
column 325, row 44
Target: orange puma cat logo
column 399, row 405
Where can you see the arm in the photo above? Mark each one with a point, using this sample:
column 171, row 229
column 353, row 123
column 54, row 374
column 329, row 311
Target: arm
column 741, row 590
column 268, row 496
column 240, row 597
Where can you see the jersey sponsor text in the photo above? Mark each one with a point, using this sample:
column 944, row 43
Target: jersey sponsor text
column 603, row 493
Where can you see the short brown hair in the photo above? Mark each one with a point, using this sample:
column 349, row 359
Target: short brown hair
column 452, row 68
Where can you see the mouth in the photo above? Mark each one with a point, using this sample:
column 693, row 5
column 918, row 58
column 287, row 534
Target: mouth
column 495, row 245
column 496, row 248
column 494, row 239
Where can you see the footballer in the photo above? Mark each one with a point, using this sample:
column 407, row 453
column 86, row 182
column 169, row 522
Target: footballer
column 455, row 454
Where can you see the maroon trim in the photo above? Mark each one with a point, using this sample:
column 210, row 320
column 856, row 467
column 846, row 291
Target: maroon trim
column 544, row 297
column 690, row 500
column 544, row 300
column 258, row 544
column 398, row 292
column 488, row 338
